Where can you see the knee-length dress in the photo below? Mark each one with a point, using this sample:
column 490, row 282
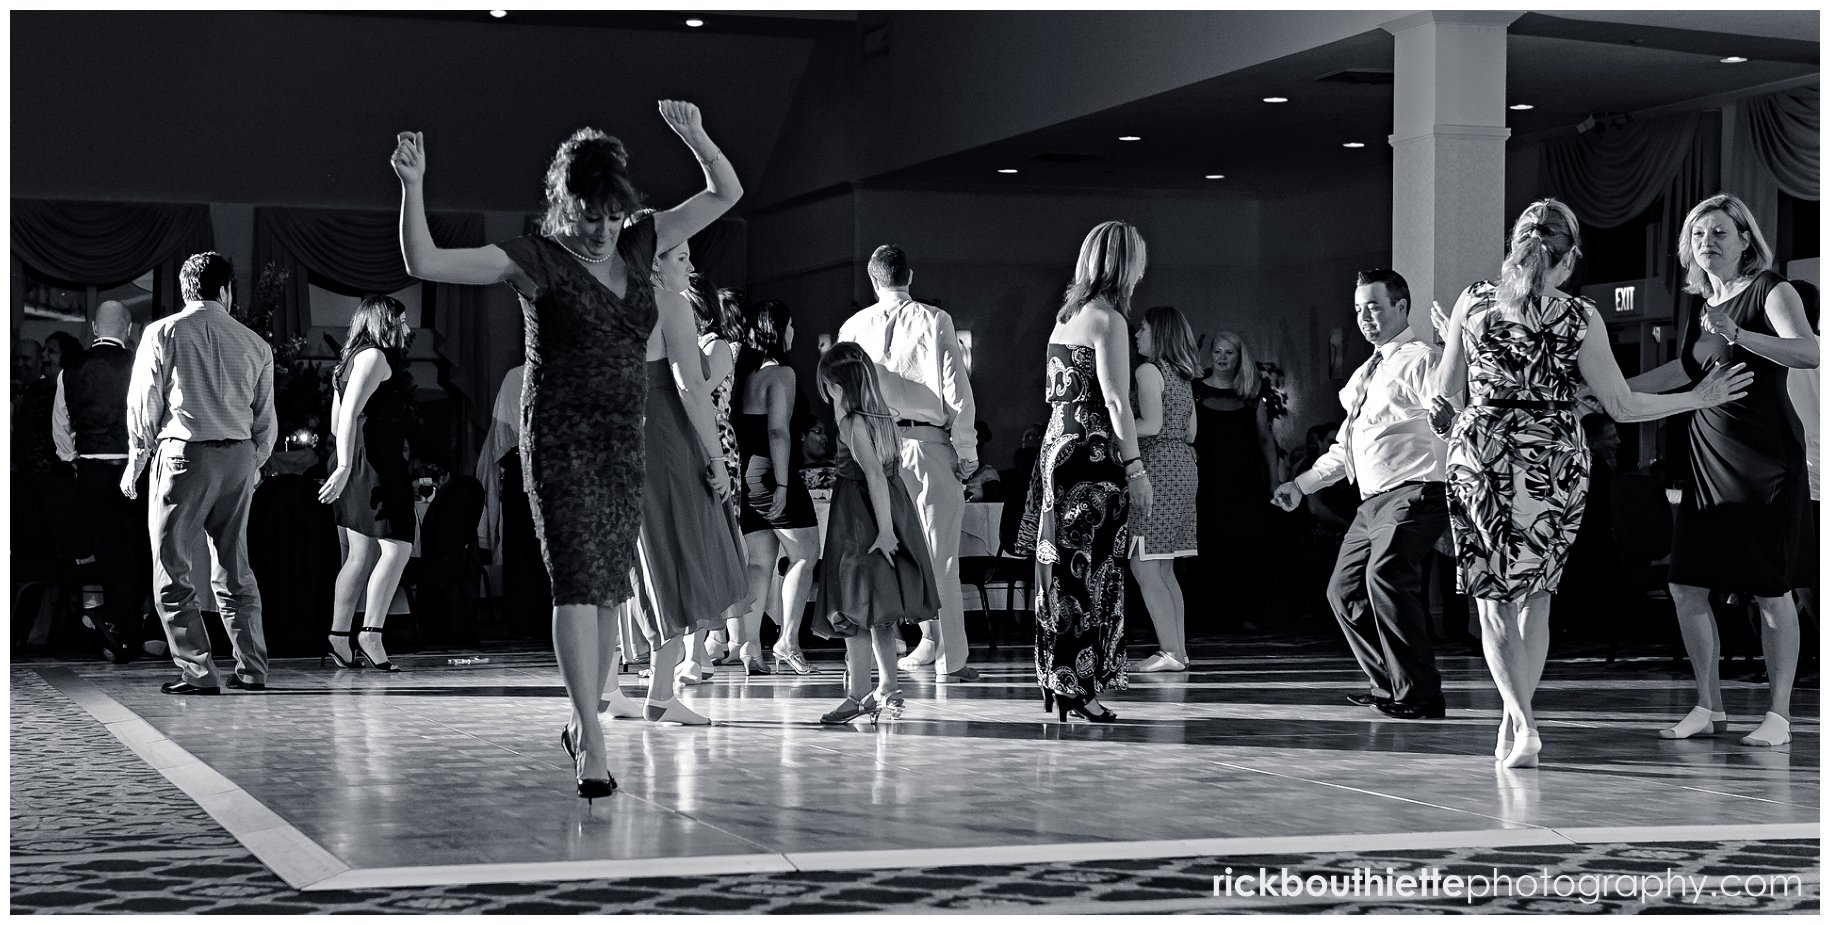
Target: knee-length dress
column 581, row 412
column 1076, row 522
column 721, row 403
column 1745, row 516
column 377, row 500
column 860, row 588
column 1169, row 533
column 689, row 551
column 1518, row 476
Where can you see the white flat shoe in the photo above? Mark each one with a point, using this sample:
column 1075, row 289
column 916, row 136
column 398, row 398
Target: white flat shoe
column 619, row 705
column 1162, row 661
column 672, row 710
column 1525, row 751
column 1773, row 731
column 924, row 654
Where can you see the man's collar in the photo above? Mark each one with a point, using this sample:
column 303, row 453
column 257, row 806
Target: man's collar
column 885, row 295
column 1404, row 337
column 204, row 303
column 117, row 341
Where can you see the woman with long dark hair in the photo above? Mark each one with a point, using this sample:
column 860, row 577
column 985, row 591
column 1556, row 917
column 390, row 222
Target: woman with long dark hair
column 1745, row 514
column 370, row 490
column 718, row 315
column 778, row 518
column 1090, row 482
column 587, row 301
column 1515, row 353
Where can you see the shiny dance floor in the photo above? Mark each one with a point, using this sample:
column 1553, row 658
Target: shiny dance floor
column 340, row 780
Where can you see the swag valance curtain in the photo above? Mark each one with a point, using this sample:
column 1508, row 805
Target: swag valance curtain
column 107, row 243
column 1611, row 175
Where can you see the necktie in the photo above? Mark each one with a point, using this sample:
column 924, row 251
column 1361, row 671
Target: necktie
column 1359, row 403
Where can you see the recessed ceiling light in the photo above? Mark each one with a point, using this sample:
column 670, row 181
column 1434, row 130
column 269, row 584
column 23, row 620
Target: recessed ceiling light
column 1007, row 170
column 1277, row 99
column 498, row 13
column 1353, row 144
column 1520, row 107
column 1215, row 176
column 1734, row 59
column 1130, row 138
column 694, row 23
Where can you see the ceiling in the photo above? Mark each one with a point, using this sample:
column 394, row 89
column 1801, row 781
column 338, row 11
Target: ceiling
column 1567, row 66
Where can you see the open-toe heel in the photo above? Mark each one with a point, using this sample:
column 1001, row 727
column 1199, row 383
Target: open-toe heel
column 384, row 665
column 353, row 661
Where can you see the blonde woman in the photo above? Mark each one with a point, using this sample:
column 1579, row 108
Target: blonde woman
column 1745, row 513
column 1166, row 429
column 1237, row 454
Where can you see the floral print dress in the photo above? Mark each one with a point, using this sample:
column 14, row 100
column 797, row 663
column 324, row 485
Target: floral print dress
column 1076, row 522
column 1518, row 476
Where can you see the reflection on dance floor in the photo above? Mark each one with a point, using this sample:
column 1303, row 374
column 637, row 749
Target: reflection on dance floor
column 455, row 775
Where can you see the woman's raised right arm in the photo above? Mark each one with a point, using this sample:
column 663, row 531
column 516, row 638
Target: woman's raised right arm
column 426, row 260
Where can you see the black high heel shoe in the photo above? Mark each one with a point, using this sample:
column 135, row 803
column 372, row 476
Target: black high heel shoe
column 378, row 666
column 354, row 661
column 1048, row 700
column 590, row 789
column 565, row 742
column 1078, row 706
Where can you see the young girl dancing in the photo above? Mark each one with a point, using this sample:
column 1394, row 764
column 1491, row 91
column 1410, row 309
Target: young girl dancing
column 876, row 571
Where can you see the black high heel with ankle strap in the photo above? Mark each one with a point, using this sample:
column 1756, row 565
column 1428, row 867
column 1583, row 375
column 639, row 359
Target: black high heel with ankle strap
column 590, row 789
column 1078, row 705
column 388, row 666
column 354, row 660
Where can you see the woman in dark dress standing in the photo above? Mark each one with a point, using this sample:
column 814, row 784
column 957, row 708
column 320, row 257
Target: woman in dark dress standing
column 370, row 491
column 1745, row 513
column 1237, row 460
column 1088, row 483
column 587, row 302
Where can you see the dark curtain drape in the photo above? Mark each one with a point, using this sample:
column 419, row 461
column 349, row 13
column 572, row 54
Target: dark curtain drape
column 104, row 243
column 718, row 252
column 1610, row 175
column 1784, row 129
column 361, row 250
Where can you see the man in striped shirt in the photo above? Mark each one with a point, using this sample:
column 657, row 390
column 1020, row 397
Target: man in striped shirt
column 200, row 409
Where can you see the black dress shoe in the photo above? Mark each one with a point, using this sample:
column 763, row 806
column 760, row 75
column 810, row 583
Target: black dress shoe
column 236, row 683
column 186, row 687
column 1367, row 700
column 1423, row 710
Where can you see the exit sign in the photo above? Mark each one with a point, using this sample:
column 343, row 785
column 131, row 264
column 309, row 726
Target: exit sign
column 1631, row 300
column 1624, row 302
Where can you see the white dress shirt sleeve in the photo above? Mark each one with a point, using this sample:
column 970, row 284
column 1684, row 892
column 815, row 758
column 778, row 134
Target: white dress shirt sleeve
column 956, row 392
column 146, row 398
column 61, row 434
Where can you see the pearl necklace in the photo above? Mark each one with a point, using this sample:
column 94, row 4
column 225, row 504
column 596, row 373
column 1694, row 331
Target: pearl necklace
column 562, row 246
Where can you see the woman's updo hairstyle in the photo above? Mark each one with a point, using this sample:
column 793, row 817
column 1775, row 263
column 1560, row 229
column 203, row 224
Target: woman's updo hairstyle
column 590, row 173
column 1545, row 233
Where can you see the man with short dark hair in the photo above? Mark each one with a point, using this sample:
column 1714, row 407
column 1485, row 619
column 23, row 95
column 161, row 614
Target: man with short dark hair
column 923, row 374
column 89, row 426
column 1387, row 448
column 200, row 408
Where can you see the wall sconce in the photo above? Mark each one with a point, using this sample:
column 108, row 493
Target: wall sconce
column 825, row 343
column 965, row 347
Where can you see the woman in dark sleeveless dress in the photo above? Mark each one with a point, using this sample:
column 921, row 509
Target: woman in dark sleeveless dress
column 1237, row 458
column 1743, row 522
column 370, row 491
column 588, row 307
column 1088, row 482
column 1515, row 353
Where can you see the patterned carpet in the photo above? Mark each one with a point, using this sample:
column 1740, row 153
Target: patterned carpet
column 96, row 831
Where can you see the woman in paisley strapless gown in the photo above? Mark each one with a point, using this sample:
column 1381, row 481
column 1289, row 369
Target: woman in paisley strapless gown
column 588, row 306
column 1089, row 481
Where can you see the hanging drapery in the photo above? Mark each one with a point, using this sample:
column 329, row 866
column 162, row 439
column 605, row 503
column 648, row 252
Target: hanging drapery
column 718, row 252
column 107, row 243
column 1612, row 174
column 360, row 250
column 1783, row 128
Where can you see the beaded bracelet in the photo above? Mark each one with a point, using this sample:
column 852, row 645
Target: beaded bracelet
column 1134, row 476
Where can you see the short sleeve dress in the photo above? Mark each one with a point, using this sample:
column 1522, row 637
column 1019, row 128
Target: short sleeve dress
column 1745, row 516
column 581, row 412
column 377, row 500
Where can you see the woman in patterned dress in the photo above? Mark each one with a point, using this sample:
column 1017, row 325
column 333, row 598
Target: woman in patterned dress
column 1515, row 353
column 1166, row 434
column 1745, row 515
column 588, row 305
column 719, row 316
column 1087, row 481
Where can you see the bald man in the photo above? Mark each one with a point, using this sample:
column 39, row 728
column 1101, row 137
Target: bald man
column 89, row 425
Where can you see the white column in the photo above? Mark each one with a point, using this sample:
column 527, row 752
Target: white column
column 1448, row 153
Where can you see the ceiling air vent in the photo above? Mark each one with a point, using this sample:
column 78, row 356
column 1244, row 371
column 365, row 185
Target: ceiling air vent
column 1365, row 76
column 1069, row 157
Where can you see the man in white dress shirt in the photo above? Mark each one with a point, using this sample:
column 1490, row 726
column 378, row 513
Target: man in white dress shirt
column 923, row 373
column 1386, row 448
